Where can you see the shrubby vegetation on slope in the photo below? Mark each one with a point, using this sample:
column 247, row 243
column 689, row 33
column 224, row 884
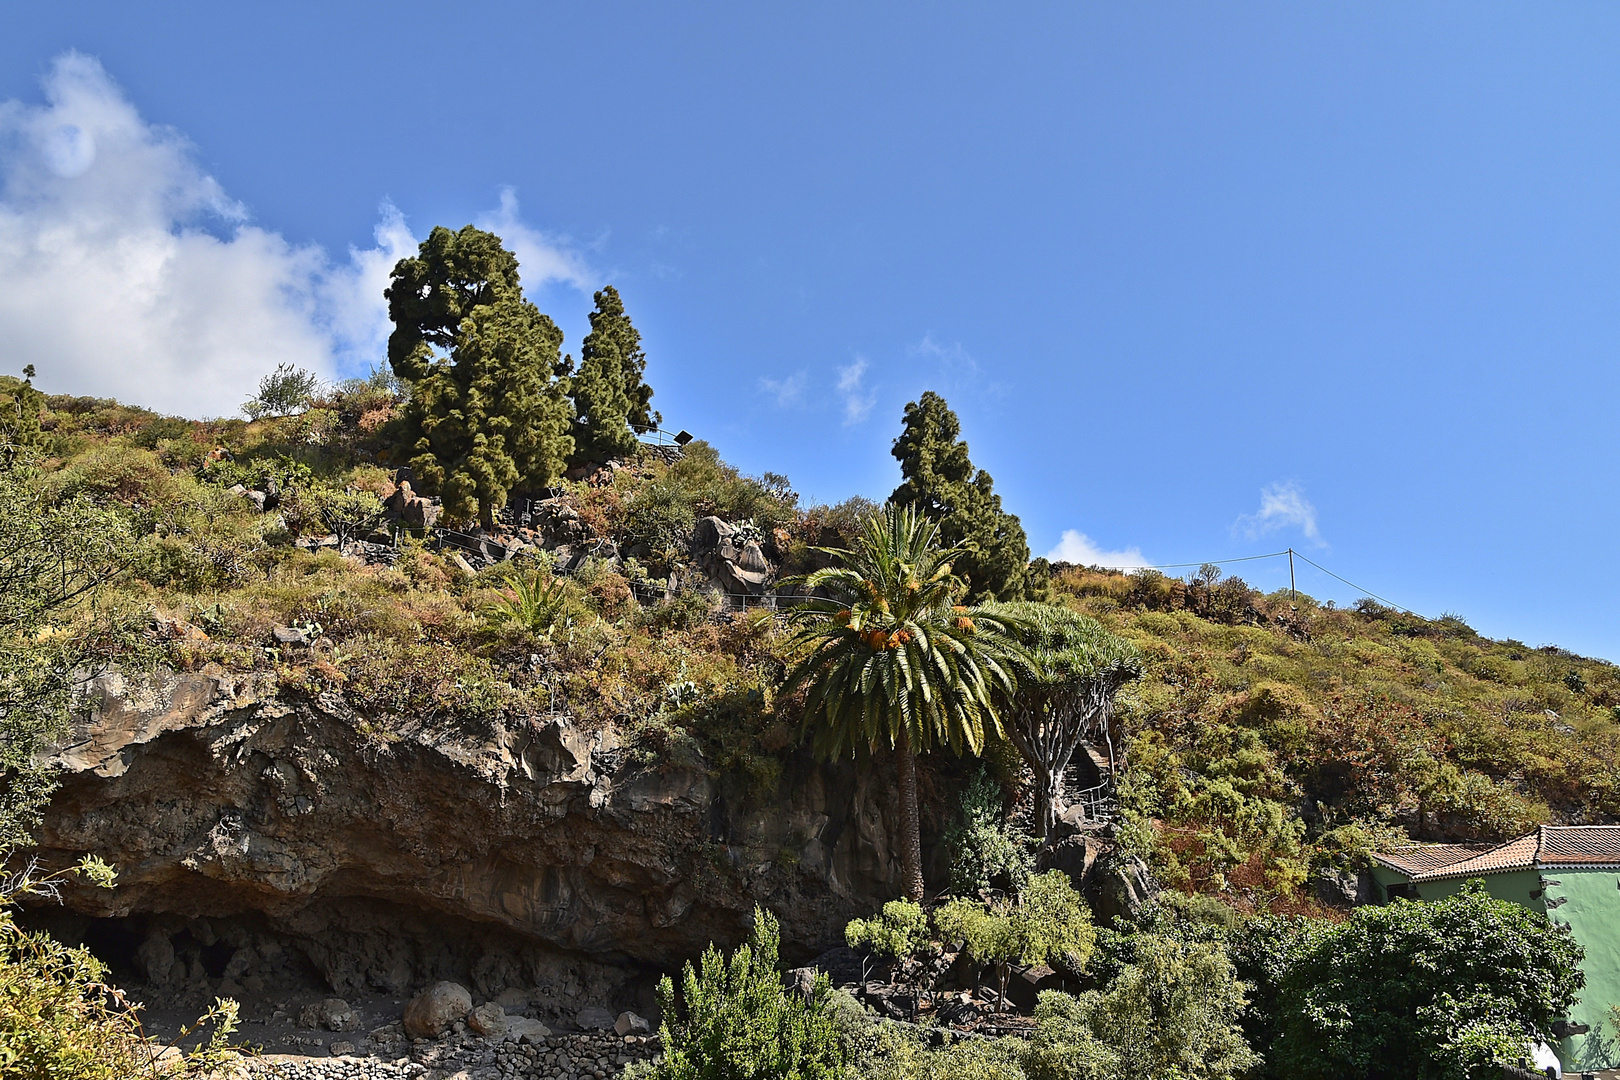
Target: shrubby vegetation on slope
column 1266, row 737
column 1272, row 734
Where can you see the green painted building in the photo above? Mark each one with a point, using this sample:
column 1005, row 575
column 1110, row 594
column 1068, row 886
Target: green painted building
column 1569, row 872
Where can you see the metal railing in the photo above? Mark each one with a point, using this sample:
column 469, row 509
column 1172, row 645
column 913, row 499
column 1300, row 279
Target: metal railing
column 1100, row 803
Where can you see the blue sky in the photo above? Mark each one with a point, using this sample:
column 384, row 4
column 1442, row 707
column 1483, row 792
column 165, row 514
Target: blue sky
column 1201, row 280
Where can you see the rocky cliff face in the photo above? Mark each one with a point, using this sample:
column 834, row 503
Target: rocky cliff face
column 261, row 833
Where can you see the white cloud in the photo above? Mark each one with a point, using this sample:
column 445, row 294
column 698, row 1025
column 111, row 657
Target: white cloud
column 1078, row 548
column 542, row 259
column 786, row 391
column 858, row 399
column 1281, row 506
column 130, row 273
column 953, row 357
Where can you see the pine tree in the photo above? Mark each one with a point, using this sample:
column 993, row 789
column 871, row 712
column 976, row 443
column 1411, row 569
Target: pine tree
column 942, row 483
column 488, row 410
column 611, row 397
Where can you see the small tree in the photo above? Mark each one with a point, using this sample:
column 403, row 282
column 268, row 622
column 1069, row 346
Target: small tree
column 1068, row 674
column 348, row 513
column 943, row 484
column 1050, row 920
column 898, row 934
column 284, row 391
column 55, row 554
column 612, row 401
column 20, row 406
column 1447, row 987
column 1171, row 1013
column 734, row 1021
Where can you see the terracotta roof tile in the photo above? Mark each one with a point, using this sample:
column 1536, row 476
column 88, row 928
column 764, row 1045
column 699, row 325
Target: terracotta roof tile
column 1550, row 845
column 1425, row 858
column 1573, row 845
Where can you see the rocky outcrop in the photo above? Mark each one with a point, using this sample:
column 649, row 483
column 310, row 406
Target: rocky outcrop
column 732, row 561
column 524, row 855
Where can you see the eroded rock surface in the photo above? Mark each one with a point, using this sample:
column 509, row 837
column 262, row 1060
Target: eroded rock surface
column 391, row 861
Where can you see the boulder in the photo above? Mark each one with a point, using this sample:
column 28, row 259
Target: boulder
column 521, row 1028
column 1122, row 887
column 286, row 635
column 431, row 1012
column 1075, row 855
column 594, row 1019
column 708, row 533
column 1026, row 984
column 1344, row 888
column 753, row 559
column 241, row 960
column 332, row 1014
column 629, row 1023
column 156, row 958
column 489, row 1019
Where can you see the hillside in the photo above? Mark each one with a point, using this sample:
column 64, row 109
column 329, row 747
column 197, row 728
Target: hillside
column 1272, row 732
column 1271, row 735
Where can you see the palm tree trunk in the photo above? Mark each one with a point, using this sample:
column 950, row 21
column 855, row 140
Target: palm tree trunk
column 910, row 832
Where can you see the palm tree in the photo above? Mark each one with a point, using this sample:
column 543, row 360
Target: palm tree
column 891, row 660
column 1068, row 674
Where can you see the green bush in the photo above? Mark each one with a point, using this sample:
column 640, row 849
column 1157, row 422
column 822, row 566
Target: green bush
column 1050, row 921
column 1171, row 1013
column 61, row 1020
column 734, row 1021
column 1446, row 987
column 659, row 519
column 906, row 1056
column 1264, row 949
column 537, row 602
column 710, row 486
column 985, row 850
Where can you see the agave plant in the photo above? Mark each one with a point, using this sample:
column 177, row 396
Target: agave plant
column 891, row 660
column 536, row 602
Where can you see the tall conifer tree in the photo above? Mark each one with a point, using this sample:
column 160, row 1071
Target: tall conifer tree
column 612, row 401
column 942, row 483
column 488, row 410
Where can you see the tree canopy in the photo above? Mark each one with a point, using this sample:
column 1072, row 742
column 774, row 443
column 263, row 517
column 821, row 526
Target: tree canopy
column 1172, row 1012
column 488, row 410
column 941, row 482
column 1068, row 673
column 611, row 396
